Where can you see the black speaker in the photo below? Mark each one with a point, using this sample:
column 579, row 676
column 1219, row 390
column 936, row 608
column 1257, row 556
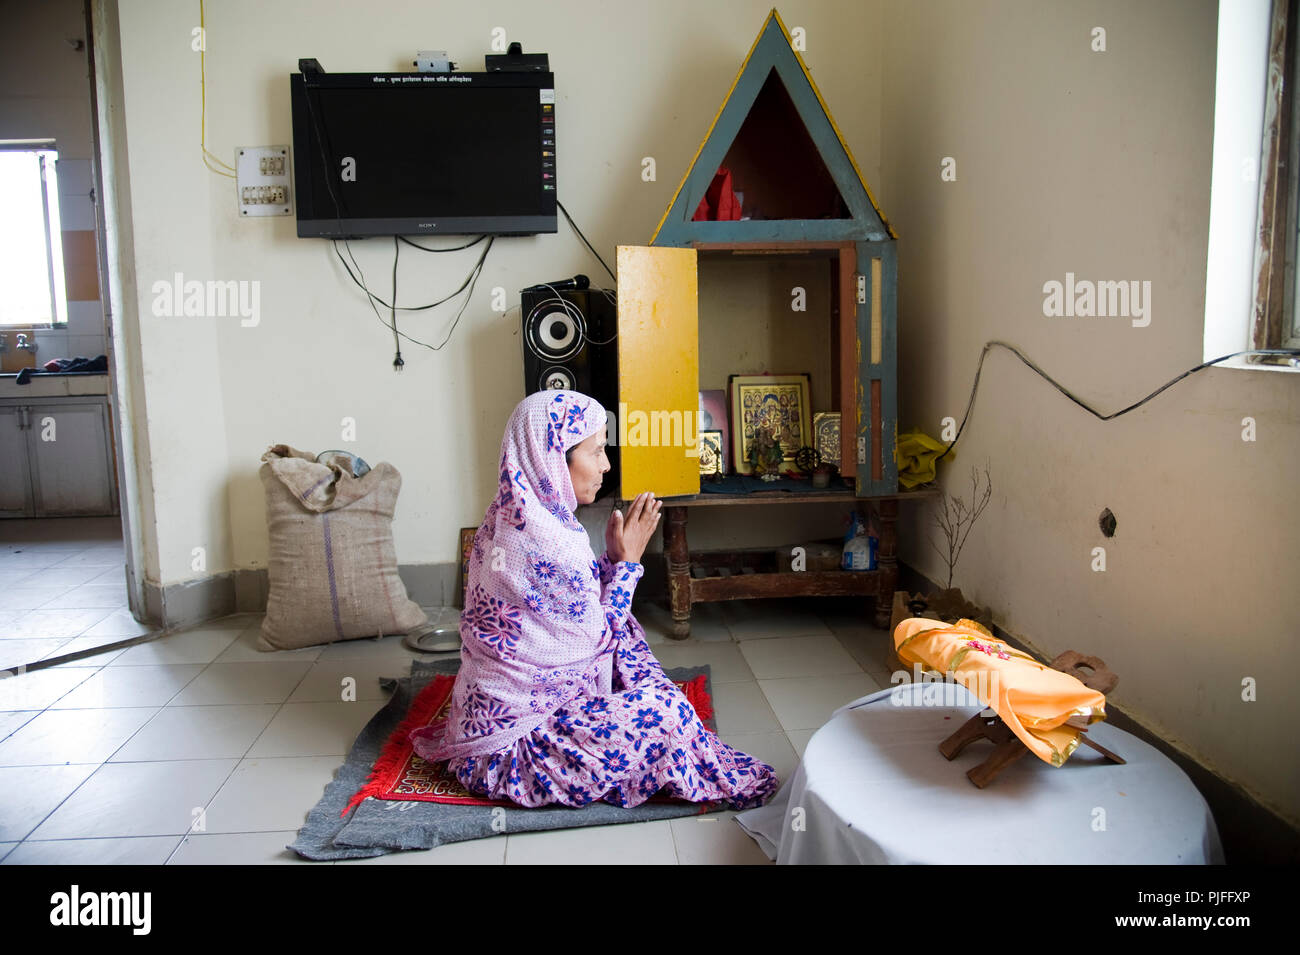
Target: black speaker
column 570, row 339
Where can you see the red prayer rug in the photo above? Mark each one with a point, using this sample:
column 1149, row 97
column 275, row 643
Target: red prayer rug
column 400, row 774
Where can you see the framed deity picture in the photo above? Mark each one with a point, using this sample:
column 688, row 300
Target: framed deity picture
column 826, row 429
column 711, row 453
column 778, row 403
column 713, row 417
column 466, row 545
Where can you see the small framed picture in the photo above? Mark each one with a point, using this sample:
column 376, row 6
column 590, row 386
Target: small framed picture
column 466, row 546
column 826, row 427
column 712, row 453
column 713, row 417
column 779, row 403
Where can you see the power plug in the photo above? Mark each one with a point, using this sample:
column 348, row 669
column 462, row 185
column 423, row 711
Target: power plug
column 433, row 61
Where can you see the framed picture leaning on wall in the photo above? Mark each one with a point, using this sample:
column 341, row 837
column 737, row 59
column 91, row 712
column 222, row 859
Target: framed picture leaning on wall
column 712, row 455
column 777, row 402
column 713, row 417
column 826, row 432
column 465, row 545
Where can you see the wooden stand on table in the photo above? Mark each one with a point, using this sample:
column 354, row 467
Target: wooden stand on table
column 1090, row 671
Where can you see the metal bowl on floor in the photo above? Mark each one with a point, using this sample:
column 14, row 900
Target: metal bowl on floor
column 433, row 639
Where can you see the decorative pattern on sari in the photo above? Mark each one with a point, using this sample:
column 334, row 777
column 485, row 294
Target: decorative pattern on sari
column 534, row 601
column 617, row 581
column 558, row 698
column 1042, row 706
column 493, row 621
column 556, row 686
column 483, row 714
column 643, row 738
column 555, row 589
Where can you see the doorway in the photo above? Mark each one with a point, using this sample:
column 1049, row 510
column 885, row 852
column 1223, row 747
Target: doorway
column 70, row 546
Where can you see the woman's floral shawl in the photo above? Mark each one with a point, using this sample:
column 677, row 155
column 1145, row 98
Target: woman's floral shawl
column 542, row 615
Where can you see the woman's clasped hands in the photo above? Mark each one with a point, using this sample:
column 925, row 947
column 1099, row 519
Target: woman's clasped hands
column 626, row 537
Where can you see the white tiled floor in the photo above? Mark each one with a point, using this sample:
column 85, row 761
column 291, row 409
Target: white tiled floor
column 113, row 758
column 62, row 588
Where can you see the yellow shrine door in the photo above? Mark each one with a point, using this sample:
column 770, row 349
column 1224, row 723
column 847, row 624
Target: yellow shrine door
column 658, row 371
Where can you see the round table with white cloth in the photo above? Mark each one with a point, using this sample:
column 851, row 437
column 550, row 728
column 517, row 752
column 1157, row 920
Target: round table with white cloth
column 873, row 788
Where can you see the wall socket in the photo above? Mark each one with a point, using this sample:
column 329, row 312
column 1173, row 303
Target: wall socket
column 262, row 181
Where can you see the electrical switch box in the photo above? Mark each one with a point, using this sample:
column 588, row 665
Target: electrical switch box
column 262, row 186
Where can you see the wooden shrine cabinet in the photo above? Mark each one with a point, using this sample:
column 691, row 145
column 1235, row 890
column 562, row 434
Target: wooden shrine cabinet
column 808, row 201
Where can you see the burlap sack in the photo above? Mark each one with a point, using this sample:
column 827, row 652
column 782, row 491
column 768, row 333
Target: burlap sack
column 333, row 570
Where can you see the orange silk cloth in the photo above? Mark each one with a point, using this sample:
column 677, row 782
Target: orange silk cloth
column 1034, row 700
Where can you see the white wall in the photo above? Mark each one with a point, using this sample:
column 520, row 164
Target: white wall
column 632, row 81
column 1068, row 160
column 1098, row 164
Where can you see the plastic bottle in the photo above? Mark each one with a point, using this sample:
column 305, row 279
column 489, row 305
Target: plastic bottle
column 859, row 546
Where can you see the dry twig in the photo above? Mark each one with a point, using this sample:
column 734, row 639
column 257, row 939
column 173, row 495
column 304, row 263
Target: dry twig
column 955, row 518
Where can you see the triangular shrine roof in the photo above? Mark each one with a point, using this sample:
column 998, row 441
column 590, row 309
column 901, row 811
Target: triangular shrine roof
column 773, row 56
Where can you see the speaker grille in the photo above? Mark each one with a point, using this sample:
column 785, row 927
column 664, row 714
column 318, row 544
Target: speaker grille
column 569, row 339
column 557, row 377
column 555, row 330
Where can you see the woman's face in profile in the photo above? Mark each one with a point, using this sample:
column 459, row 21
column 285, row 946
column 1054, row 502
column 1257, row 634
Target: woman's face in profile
column 587, row 463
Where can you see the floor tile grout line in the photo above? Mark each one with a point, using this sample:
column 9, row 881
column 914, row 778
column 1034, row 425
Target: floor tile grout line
column 279, row 709
column 238, row 762
column 241, row 759
column 165, row 835
column 119, row 644
column 307, row 675
column 120, row 605
column 105, row 761
column 75, row 789
column 195, row 759
column 25, row 722
column 76, row 636
column 672, row 834
column 168, row 835
column 179, row 842
column 102, row 763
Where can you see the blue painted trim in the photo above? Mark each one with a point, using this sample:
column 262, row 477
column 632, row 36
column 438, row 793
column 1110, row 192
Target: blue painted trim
column 828, row 144
column 772, row 52
column 715, row 150
column 886, row 371
column 785, row 230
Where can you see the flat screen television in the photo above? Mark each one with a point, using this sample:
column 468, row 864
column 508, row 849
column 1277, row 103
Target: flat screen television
column 423, row 153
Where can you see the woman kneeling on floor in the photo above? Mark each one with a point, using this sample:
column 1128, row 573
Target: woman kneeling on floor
column 558, row 698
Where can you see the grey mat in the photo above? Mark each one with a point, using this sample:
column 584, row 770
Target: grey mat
column 379, row 826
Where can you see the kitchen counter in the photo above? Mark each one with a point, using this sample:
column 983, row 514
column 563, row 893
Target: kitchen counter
column 55, row 385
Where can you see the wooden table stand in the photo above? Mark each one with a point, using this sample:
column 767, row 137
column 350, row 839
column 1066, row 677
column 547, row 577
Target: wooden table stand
column 1008, row 747
column 685, row 590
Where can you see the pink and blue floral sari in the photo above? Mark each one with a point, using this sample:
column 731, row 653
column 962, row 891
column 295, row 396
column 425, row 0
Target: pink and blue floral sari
column 559, row 698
